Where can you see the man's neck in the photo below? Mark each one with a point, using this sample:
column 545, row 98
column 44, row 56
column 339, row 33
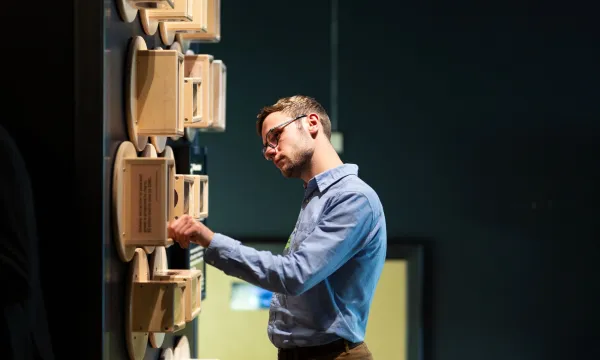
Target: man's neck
column 324, row 158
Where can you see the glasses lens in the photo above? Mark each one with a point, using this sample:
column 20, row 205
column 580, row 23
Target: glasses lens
column 273, row 138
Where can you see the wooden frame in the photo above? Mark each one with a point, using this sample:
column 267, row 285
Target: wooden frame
column 192, row 101
column 198, row 199
column 219, row 95
column 199, row 67
column 182, row 11
column 213, row 28
column 199, row 23
column 183, row 187
column 178, row 197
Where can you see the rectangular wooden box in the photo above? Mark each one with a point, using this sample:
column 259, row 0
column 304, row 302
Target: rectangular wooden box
column 159, row 91
column 213, row 26
column 193, row 290
column 158, row 306
column 199, row 21
column 146, row 187
column 182, row 11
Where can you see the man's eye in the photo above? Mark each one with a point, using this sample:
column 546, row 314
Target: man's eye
column 274, row 136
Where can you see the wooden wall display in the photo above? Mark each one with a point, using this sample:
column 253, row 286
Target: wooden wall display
column 170, row 95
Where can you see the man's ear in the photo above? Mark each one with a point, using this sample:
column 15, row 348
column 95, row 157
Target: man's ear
column 313, row 122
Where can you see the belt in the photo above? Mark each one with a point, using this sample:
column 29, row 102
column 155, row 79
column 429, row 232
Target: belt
column 338, row 346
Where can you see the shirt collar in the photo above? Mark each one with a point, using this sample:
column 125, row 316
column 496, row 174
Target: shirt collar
column 325, row 179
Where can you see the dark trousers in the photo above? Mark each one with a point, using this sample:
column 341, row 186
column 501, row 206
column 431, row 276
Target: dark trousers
column 338, row 350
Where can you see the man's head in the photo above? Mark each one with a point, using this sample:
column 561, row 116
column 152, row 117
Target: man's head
column 290, row 130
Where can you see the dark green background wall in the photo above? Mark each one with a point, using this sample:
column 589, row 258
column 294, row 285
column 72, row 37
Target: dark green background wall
column 478, row 127
column 478, row 130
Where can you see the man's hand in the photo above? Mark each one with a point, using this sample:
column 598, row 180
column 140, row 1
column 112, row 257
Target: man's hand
column 186, row 230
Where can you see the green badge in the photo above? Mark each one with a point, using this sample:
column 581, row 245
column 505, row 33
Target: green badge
column 287, row 245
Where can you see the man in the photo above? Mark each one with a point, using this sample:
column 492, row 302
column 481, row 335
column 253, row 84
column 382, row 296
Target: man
column 324, row 282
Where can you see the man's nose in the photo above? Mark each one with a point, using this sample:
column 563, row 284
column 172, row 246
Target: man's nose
column 270, row 153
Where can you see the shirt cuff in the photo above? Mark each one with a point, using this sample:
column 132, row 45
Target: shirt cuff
column 218, row 251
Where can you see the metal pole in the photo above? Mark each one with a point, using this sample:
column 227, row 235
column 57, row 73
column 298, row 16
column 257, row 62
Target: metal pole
column 333, row 83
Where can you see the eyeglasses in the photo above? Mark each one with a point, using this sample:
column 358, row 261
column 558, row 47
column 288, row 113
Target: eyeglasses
column 272, row 138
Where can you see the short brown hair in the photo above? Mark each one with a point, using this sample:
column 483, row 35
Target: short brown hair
column 295, row 106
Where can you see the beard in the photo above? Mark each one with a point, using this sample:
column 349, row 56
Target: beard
column 295, row 165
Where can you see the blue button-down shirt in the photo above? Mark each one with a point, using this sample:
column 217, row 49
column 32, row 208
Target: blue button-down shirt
column 324, row 281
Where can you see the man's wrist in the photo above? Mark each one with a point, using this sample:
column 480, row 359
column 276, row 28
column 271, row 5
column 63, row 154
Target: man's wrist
column 206, row 236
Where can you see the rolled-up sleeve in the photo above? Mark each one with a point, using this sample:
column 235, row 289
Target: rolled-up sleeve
column 341, row 232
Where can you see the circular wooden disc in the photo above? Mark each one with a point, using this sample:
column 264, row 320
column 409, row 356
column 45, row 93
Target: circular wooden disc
column 167, row 354
column 182, row 350
column 181, row 39
column 126, row 11
column 166, row 35
column 158, row 262
column 168, row 153
column 159, row 143
column 149, row 24
column 177, row 46
column 137, row 43
column 150, row 152
column 126, row 150
column 138, row 272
